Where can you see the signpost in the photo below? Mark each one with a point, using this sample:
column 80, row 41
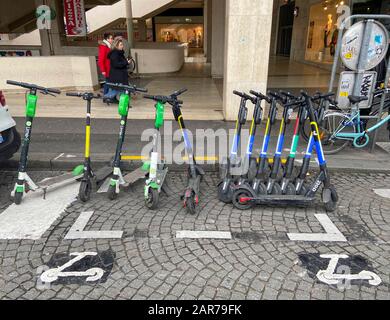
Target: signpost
column 361, row 48
column 75, row 20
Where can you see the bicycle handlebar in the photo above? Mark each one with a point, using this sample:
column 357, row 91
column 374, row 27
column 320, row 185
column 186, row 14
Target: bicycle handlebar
column 130, row 88
column 33, row 87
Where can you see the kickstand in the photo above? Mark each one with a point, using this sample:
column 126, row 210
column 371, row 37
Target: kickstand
column 44, row 193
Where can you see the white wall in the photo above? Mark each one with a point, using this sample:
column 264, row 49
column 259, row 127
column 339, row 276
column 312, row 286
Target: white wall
column 57, row 71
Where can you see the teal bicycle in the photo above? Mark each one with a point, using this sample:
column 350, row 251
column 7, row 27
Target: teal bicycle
column 340, row 129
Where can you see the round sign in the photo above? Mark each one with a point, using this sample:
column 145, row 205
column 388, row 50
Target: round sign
column 352, row 44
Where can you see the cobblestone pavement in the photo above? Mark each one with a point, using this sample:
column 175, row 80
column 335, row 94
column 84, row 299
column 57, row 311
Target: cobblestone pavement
column 259, row 262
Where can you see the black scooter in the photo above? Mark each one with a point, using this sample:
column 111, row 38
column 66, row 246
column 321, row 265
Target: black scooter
column 195, row 172
column 245, row 198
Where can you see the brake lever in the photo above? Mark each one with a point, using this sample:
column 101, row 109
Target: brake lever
column 47, row 93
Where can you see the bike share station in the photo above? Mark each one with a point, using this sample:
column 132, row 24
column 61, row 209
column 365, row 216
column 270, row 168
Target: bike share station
column 249, row 187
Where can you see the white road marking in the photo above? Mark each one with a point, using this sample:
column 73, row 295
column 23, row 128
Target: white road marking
column 332, row 233
column 92, row 274
column 184, row 234
column 60, row 156
column 34, row 216
column 329, row 276
column 384, row 193
column 77, row 230
column 105, row 186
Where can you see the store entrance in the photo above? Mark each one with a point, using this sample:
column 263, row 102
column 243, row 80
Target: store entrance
column 286, row 21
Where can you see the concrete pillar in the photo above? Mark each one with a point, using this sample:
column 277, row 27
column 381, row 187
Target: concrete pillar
column 218, row 38
column 208, row 28
column 142, row 29
column 55, row 38
column 247, row 47
column 129, row 23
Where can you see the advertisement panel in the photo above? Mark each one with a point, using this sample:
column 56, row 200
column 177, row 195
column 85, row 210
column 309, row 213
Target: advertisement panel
column 75, row 20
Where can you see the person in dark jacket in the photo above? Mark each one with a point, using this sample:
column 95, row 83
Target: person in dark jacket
column 118, row 70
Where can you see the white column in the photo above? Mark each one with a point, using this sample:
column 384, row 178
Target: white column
column 247, row 47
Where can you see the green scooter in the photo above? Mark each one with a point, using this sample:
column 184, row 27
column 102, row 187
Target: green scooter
column 24, row 182
column 157, row 169
column 118, row 179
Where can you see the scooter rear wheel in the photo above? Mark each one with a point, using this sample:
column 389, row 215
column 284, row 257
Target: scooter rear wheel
column 112, row 195
column 85, row 190
column 190, row 204
column 237, row 199
column 152, row 201
column 225, row 196
column 18, row 198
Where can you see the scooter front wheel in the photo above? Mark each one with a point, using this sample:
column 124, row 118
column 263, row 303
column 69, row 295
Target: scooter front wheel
column 290, row 190
column 18, row 198
column 190, row 203
column 112, row 195
column 330, row 198
column 240, row 199
column 225, row 195
column 151, row 201
column 85, row 190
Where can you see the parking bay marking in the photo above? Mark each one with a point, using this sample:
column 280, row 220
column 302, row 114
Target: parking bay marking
column 332, row 234
column 185, row 234
column 77, row 230
column 384, row 193
column 34, row 215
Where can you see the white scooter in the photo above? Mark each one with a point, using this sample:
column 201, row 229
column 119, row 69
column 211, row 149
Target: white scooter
column 9, row 138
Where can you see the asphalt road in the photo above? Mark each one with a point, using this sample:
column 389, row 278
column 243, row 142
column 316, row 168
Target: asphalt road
column 67, row 135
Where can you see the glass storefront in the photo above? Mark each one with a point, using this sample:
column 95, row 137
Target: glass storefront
column 322, row 31
column 186, row 33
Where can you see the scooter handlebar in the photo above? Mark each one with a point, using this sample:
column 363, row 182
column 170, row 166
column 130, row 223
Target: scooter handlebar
column 287, row 94
column 33, row 86
column 260, row 96
column 85, row 95
column 130, row 88
column 243, row 95
column 163, row 99
column 179, row 92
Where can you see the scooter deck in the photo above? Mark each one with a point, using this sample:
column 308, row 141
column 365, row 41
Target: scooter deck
column 134, row 176
column 57, row 181
column 102, row 174
column 283, row 200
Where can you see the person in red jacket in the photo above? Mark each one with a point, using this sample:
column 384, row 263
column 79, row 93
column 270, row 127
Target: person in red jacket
column 103, row 61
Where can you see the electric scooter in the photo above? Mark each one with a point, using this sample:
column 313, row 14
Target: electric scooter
column 287, row 183
column 10, row 140
column 23, row 179
column 259, row 169
column 118, row 179
column 245, row 198
column 272, row 186
column 90, row 180
column 230, row 166
column 195, row 172
column 156, row 167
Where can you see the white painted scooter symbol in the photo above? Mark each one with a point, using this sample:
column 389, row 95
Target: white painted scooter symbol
column 329, row 276
column 92, row 274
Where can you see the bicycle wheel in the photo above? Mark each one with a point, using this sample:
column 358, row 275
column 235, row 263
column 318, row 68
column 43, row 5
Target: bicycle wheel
column 333, row 124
